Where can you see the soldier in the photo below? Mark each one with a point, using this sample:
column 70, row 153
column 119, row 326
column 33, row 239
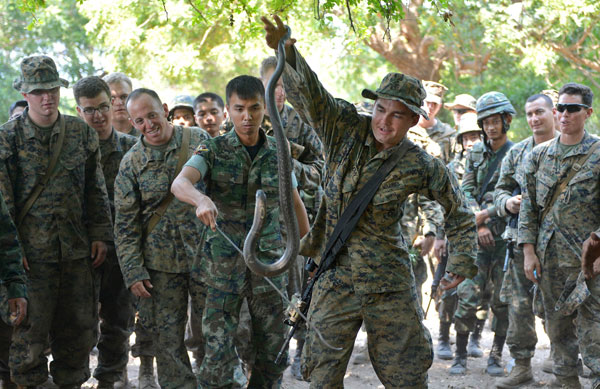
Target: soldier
column 53, row 185
column 440, row 132
column 16, row 109
column 12, row 290
column 182, row 111
column 482, row 169
column 521, row 337
column 156, row 252
column 468, row 134
column 462, row 104
column 309, row 165
column 234, row 166
column 210, row 113
column 372, row 280
column 560, row 207
column 92, row 96
column 120, row 87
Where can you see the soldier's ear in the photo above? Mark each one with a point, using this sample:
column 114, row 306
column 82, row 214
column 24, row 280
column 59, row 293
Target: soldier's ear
column 79, row 112
column 166, row 109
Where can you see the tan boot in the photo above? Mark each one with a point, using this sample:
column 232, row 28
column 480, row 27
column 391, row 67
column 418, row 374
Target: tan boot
column 566, row 382
column 147, row 379
column 519, row 375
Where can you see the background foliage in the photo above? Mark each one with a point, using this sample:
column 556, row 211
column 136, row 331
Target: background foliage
column 191, row 46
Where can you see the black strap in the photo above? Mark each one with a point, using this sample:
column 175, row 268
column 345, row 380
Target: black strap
column 347, row 222
column 492, row 168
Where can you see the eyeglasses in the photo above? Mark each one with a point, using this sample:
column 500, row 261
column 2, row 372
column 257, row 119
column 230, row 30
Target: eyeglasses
column 90, row 111
column 571, row 108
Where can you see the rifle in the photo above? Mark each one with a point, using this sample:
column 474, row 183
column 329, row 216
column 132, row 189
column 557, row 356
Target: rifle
column 513, row 223
column 440, row 270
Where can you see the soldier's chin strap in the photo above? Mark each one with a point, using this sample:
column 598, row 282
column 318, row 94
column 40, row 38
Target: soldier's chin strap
column 283, row 296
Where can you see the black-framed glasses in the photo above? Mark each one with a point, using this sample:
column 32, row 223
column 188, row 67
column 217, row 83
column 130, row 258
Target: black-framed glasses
column 90, row 111
column 571, row 107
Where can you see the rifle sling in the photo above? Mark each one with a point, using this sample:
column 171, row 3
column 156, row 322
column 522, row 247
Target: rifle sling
column 349, row 218
column 39, row 187
column 562, row 185
column 164, row 204
column 492, row 168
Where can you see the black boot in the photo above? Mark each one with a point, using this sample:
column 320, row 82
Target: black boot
column 295, row 370
column 473, row 349
column 459, row 366
column 443, row 349
column 494, row 367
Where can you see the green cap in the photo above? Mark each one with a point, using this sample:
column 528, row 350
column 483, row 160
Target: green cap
column 38, row 72
column 403, row 88
column 463, row 101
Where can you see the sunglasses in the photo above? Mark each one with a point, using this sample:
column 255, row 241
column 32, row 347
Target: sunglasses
column 570, row 108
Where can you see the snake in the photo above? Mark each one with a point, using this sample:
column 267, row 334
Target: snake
column 286, row 201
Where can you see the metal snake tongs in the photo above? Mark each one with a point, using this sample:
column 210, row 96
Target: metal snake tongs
column 286, row 203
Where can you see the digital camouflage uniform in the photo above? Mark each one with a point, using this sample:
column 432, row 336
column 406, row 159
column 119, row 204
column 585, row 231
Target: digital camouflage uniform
column 445, row 136
column 165, row 256
column 372, row 280
column 134, row 132
column 232, row 179
column 12, row 280
column 116, row 305
column 521, row 336
column 558, row 240
column 56, row 234
column 489, row 260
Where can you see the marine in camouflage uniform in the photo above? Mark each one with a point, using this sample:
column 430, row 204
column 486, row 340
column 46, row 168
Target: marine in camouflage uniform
column 92, row 96
column 64, row 227
column 159, row 262
column 12, row 284
column 494, row 115
column 372, row 280
column 120, row 87
column 517, row 290
column 552, row 234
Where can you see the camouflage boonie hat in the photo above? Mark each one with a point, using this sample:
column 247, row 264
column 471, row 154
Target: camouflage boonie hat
column 181, row 101
column 574, row 294
column 552, row 93
column 400, row 87
column 492, row 103
column 435, row 91
column 464, row 101
column 38, row 72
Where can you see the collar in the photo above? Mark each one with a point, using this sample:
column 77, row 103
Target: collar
column 582, row 148
column 29, row 126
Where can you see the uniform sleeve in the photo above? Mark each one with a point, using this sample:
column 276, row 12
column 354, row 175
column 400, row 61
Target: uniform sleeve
column 12, row 273
column 97, row 203
column 506, row 184
column 432, row 215
column 529, row 211
column 129, row 226
column 308, row 161
column 459, row 220
column 469, row 184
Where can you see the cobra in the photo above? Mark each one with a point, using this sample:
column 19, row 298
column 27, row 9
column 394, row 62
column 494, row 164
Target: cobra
column 286, row 204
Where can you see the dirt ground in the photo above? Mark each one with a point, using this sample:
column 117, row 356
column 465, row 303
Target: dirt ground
column 362, row 376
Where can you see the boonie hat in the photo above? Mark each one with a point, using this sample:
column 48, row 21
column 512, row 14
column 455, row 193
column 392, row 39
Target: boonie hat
column 400, row 87
column 462, row 101
column 38, row 72
column 435, row 91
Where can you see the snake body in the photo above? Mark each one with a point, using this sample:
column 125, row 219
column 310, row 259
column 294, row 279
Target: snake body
column 286, row 202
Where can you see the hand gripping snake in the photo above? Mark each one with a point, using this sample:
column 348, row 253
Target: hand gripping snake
column 286, row 203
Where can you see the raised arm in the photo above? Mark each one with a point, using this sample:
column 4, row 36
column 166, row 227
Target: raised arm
column 183, row 188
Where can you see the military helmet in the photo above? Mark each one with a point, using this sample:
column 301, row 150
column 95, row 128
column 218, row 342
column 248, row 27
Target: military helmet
column 468, row 123
column 492, row 103
column 181, row 101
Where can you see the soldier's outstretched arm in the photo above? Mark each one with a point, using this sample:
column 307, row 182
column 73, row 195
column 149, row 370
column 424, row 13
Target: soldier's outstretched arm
column 183, row 188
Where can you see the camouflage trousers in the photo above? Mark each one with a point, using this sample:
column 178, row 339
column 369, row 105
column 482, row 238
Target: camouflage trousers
column 165, row 316
column 447, row 304
column 143, row 346
column 475, row 295
column 399, row 345
column 578, row 332
column 221, row 367
column 521, row 337
column 116, row 319
column 62, row 306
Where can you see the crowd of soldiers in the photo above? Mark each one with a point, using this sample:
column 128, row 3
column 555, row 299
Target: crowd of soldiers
column 130, row 218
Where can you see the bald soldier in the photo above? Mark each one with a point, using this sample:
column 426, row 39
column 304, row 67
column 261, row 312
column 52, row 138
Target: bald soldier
column 372, row 279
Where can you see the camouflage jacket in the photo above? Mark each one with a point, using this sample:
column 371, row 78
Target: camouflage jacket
column 445, row 136
column 12, row 274
column 144, row 179
column 133, row 132
column 307, row 154
column 112, row 151
column 457, row 166
column 479, row 160
column 232, row 180
column 376, row 251
column 576, row 211
column 73, row 210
